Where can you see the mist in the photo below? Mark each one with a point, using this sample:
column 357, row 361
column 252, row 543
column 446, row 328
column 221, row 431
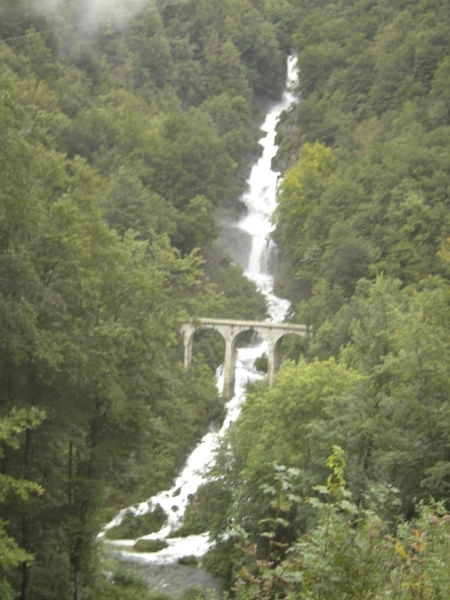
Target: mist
column 91, row 12
column 83, row 15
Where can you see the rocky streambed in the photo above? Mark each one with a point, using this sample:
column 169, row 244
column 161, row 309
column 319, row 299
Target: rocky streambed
column 174, row 579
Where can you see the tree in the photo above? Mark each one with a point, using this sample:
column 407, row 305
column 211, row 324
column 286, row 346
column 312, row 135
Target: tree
column 88, row 320
column 298, row 199
column 11, row 428
column 290, row 424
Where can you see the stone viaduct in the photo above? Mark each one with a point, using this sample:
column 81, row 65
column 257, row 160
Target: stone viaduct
column 230, row 329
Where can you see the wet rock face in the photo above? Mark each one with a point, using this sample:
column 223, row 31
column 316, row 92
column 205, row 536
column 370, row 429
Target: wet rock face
column 174, row 579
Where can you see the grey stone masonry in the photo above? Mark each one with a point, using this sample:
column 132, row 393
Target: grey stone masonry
column 230, row 329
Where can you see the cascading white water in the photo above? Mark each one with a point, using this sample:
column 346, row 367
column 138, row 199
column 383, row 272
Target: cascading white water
column 260, row 200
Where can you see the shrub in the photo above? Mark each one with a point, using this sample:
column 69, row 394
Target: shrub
column 189, row 561
column 134, row 526
column 150, row 545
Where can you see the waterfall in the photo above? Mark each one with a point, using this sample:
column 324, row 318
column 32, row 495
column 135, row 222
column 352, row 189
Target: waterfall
column 260, row 200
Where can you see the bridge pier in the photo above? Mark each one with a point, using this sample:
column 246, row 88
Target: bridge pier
column 229, row 367
column 229, row 329
column 273, row 362
column 187, row 331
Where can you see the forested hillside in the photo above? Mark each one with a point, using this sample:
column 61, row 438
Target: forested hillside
column 124, row 127
column 363, row 223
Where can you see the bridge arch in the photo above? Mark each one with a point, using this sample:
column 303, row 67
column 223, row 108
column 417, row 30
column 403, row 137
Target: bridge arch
column 230, row 329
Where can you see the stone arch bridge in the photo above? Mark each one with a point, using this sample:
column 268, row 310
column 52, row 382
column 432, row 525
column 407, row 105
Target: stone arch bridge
column 230, row 329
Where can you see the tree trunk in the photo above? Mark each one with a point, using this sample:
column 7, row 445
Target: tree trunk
column 80, row 544
column 78, row 581
column 69, row 474
column 26, row 569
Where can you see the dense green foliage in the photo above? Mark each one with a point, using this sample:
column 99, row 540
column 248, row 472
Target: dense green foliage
column 368, row 193
column 362, row 221
column 87, row 324
column 385, row 399
column 122, row 133
column 153, row 103
column 349, row 554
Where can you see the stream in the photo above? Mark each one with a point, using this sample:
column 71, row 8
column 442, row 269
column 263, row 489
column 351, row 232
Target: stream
column 248, row 242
